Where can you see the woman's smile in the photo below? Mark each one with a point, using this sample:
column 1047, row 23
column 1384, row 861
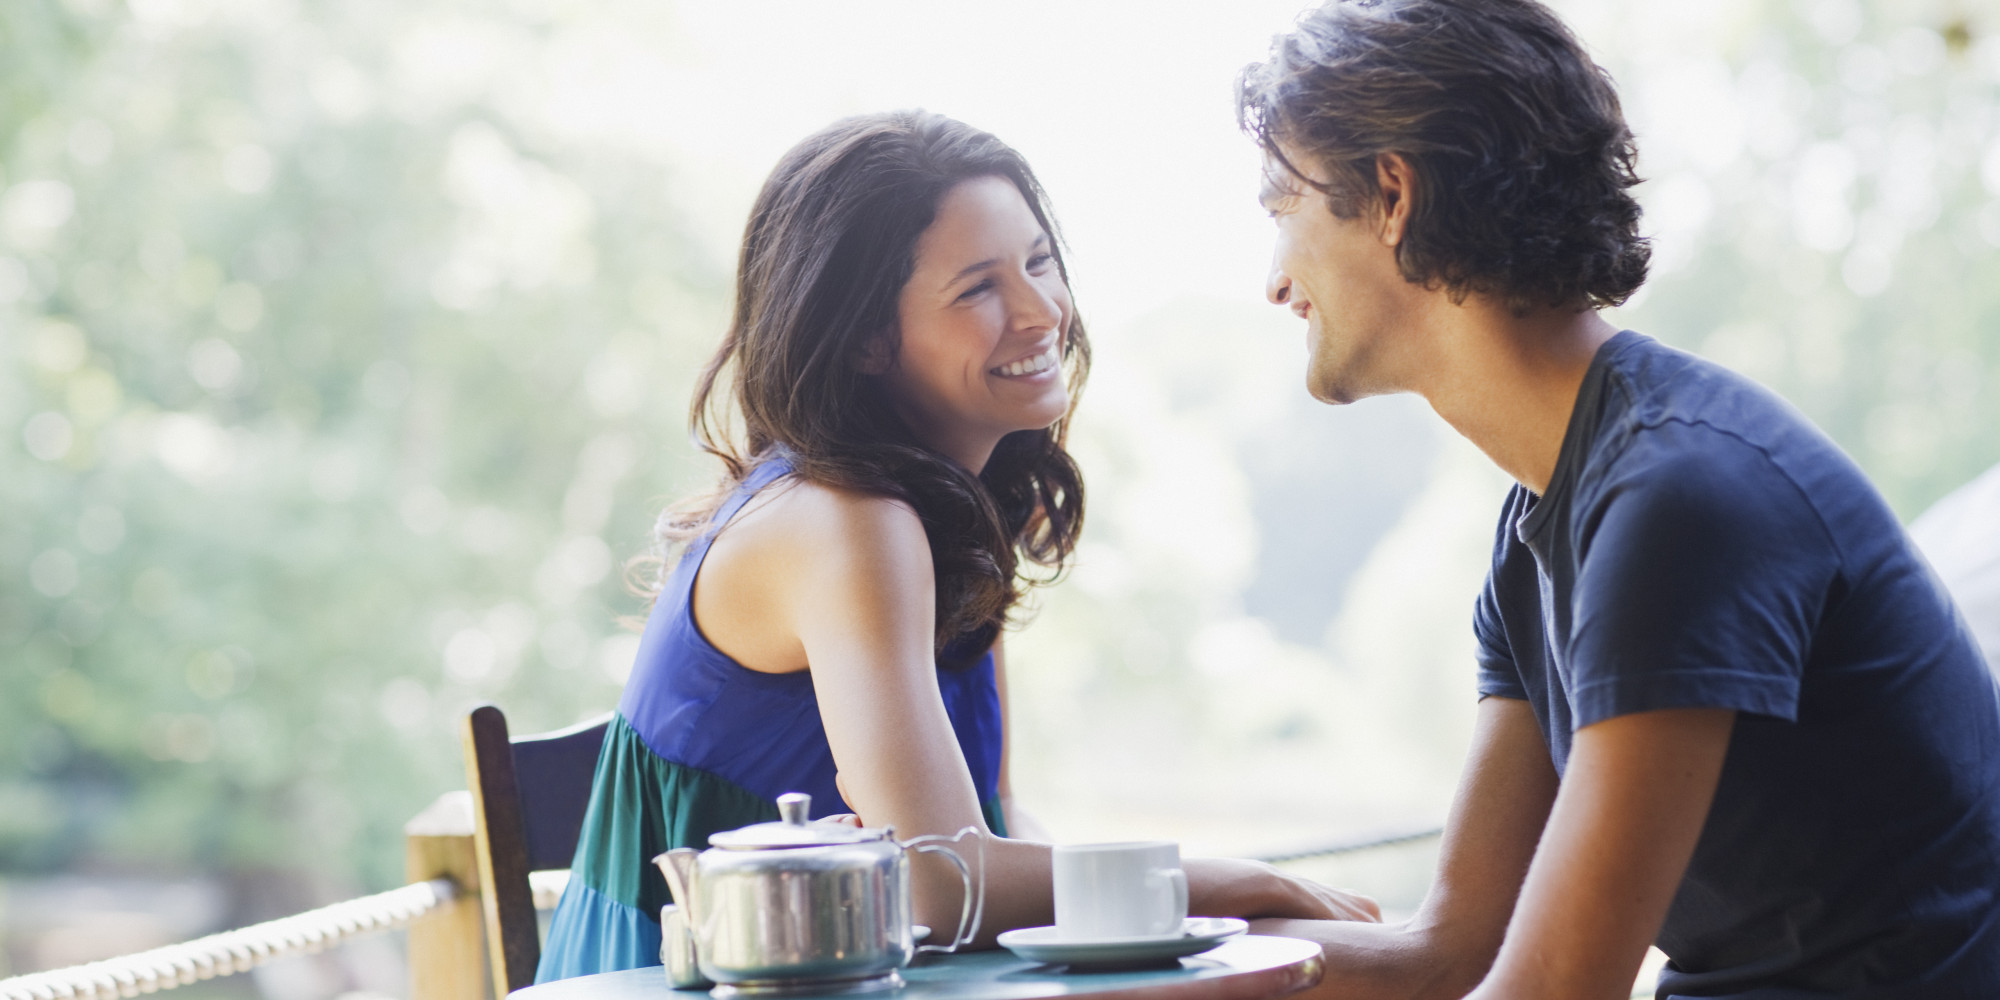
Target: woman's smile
column 1047, row 359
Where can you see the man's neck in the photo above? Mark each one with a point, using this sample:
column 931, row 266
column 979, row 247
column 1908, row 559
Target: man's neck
column 1509, row 383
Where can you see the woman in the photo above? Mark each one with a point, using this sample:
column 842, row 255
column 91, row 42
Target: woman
column 903, row 358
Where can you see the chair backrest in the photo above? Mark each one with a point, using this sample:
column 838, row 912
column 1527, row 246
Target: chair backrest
column 528, row 800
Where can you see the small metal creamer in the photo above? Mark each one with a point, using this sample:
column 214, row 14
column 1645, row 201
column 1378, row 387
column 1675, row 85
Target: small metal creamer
column 795, row 906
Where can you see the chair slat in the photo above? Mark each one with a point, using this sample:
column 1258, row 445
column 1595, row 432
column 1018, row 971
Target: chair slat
column 528, row 799
column 500, row 842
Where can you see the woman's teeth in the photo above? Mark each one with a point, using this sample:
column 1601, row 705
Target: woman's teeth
column 1028, row 366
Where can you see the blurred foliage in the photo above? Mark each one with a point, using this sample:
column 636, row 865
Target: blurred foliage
column 329, row 414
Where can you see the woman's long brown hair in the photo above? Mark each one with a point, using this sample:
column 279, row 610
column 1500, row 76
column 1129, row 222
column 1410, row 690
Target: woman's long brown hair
column 830, row 244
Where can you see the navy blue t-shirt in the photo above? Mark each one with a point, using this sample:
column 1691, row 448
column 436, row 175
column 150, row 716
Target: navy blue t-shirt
column 1701, row 544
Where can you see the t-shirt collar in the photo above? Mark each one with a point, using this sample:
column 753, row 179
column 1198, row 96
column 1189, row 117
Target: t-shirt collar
column 1582, row 430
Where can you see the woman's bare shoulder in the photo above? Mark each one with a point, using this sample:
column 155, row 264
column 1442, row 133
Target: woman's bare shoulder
column 795, row 512
column 800, row 552
column 802, row 532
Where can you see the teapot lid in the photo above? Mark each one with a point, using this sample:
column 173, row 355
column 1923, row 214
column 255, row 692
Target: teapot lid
column 793, row 830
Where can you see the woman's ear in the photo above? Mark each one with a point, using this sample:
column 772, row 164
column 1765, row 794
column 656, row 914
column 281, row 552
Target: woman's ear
column 876, row 356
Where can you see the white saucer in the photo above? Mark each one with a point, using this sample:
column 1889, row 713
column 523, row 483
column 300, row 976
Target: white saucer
column 1046, row 945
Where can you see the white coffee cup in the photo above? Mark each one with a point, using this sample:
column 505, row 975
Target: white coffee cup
column 1123, row 890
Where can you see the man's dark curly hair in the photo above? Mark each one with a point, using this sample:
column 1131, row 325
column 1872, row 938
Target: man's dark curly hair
column 1524, row 164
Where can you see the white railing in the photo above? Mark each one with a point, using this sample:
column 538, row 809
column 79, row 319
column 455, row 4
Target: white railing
column 233, row 951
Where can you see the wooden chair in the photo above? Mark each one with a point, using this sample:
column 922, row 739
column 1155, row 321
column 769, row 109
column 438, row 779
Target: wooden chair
column 528, row 800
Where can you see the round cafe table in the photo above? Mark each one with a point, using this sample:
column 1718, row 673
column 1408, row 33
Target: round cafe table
column 1251, row 967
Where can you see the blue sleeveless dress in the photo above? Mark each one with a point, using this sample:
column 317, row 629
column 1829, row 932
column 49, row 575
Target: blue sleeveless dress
column 702, row 744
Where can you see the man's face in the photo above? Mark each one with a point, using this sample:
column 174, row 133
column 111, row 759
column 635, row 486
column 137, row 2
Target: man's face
column 1340, row 275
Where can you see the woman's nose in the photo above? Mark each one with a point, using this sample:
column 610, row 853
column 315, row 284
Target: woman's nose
column 1040, row 307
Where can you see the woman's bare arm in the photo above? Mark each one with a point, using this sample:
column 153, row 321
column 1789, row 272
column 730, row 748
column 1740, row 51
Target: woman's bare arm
column 857, row 590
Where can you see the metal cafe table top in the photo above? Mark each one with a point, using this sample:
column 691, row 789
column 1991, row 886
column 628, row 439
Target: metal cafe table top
column 1250, row 967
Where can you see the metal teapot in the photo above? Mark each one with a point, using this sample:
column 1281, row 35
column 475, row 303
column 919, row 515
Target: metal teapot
column 777, row 906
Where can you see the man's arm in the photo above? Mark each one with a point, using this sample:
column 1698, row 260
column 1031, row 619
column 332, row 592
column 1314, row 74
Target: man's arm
column 1502, row 803
column 1625, row 824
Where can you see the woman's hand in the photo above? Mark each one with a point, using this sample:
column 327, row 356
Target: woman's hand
column 1232, row 887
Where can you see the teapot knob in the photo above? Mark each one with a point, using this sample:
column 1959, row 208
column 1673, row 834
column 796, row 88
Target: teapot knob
column 793, row 807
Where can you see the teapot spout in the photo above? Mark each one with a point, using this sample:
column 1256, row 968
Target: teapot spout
column 678, row 865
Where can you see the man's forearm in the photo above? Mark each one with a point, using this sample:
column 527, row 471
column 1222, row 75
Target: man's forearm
column 1490, row 837
column 1383, row 961
column 1618, row 842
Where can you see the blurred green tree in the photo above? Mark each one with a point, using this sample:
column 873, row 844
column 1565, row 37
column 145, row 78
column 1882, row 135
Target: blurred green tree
column 329, row 415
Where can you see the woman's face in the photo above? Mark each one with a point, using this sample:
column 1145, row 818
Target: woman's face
column 982, row 324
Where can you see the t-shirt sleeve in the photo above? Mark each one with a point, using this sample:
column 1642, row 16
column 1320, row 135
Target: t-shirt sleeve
column 1499, row 675
column 1703, row 573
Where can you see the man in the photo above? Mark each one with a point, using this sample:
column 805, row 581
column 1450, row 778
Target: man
column 1724, row 706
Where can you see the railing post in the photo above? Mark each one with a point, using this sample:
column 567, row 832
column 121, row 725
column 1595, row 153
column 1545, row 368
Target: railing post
column 447, row 945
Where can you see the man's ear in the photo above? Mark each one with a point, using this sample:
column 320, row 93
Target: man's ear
column 1397, row 181
column 875, row 357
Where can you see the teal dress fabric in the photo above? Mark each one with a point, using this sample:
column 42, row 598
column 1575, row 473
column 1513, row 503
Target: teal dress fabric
column 702, row 744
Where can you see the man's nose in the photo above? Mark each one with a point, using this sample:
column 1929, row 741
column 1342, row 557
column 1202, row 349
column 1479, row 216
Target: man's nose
column 1278, row 286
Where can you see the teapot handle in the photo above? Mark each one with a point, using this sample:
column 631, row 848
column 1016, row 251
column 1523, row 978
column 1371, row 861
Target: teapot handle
column 973, row 912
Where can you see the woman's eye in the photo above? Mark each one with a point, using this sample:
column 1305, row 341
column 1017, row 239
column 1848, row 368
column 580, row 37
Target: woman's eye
column 1039, row 261
column 974, row 290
